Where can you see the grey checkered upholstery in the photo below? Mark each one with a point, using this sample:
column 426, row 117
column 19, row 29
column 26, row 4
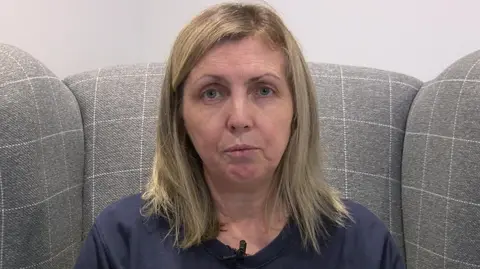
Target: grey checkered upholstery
column 441, row 170
column 118, row 107
column 409, row 151
column 41, row 165
column 363, row 114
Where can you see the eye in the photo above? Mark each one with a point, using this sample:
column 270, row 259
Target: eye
column 265, row 91
column 210, row 94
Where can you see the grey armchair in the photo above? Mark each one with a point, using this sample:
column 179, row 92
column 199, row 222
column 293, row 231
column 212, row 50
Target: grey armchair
column 408, row 150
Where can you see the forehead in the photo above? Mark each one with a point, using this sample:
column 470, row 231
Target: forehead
column 245, row 57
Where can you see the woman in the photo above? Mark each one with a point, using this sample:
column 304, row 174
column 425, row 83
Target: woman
column 236, row 178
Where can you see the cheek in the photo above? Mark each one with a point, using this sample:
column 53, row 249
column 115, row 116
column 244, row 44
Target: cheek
column 277, row 134
column 203, row 131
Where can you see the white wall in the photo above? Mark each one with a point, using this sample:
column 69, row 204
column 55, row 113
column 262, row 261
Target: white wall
column 74, row 35
column 419, row 38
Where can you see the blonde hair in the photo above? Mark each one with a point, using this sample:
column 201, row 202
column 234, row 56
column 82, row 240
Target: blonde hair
column 177, row 190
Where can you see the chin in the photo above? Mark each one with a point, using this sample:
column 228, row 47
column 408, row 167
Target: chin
column 245, row 174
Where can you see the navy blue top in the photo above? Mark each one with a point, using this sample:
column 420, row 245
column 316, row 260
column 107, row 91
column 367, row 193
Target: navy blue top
column 121, row 238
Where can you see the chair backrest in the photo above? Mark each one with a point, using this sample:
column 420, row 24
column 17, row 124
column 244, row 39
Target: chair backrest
column 41, row 165
column 441, row 170
column 363, row 114
column 408, row 151
column 119, row 112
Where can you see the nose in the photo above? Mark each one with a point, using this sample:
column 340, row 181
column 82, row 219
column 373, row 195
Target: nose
column 240, row 114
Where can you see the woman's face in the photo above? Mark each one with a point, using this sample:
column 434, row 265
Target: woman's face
column 237, row 109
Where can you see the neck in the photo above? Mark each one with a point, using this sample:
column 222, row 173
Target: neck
column 241, row 211
column 235, row 204
column 242, row 203
column 238, row 207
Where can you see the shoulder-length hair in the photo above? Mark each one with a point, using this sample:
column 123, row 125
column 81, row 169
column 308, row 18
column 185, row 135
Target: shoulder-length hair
column 177, row 190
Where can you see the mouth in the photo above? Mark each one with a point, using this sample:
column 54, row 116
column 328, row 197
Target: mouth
column 240, row 148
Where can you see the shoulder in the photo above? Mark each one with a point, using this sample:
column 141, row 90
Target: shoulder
column 363, row 223
column 368, row 239
column 125, row 211
column 125, row 216
column 121, row 235
column 361, row 216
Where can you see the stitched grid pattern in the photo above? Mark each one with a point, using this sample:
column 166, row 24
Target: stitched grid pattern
column 119, row 111
column 441, row 170
column 119, row 133
column 41, row 165
column 363, row 114
column 364, row 129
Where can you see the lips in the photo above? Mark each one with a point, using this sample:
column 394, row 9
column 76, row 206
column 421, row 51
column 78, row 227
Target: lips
column 241, row 152
column 240, row 148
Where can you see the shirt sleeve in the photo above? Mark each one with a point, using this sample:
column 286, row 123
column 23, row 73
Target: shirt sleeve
column 374, row 245
column 391, row 257
column 94, row 253
column 380, row 248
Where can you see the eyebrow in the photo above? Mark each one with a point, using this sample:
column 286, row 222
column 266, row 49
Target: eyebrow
column 251, row 80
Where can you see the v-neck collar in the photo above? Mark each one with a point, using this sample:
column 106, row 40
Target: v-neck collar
column 266, row 255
